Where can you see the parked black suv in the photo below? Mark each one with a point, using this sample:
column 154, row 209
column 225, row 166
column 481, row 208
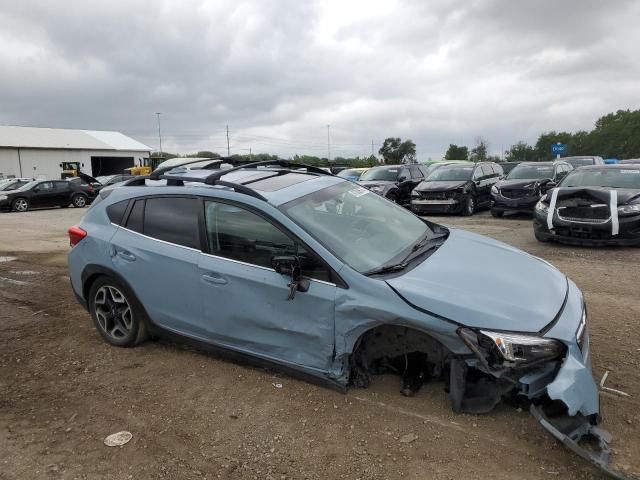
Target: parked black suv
column 394, row 182
column 47, row 193
column 525, row 184
column 456, row 188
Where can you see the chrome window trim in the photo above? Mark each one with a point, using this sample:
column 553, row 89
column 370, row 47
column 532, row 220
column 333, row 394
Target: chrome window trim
column 211, row 255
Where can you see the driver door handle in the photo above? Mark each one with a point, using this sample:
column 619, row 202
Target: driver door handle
column 214, row 278
column 128, row 256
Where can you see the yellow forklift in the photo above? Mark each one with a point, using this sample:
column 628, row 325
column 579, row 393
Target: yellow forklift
column 144, row 167
column 69, row 169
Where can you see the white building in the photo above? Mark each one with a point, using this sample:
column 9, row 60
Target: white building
column 40, row 152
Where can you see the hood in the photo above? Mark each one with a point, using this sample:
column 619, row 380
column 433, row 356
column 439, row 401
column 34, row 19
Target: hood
column 530, row 184
column 480, row 282
column 602, row 194
column 441, row 186
column 373, row 183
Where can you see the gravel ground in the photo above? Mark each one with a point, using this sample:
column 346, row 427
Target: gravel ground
column 192, row 415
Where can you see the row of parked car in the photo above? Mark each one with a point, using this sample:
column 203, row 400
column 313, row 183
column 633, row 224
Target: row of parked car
column 593, row 203
column 21, row 194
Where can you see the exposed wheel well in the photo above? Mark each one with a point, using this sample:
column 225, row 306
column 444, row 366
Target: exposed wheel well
column 387, row 348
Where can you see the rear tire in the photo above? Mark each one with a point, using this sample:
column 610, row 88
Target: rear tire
column 116, row 313
column 496, row 213
column 468, row 207
column 79, row 200
column 20, row 205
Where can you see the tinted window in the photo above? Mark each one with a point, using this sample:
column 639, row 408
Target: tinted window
column 239, row 234
column 45, row 186
column 61, row 186
column 173, row 220
column 116, row 211
column 497, row 169
column 136, row 217
column 487, row 171
column 415, row 172
column 404, row 173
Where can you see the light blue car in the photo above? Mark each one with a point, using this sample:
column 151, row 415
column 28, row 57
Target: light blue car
column 314, row 275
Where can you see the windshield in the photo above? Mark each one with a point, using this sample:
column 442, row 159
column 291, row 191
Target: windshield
column 530, row 172
column 350, row 172
column 388, row 174
column 361, row 228
column 448, row 174
column 606, row 177
column 580, row 162
column 104, row 179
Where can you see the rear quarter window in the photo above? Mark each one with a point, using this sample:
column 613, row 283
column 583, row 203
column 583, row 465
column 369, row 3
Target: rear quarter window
column 116, row 211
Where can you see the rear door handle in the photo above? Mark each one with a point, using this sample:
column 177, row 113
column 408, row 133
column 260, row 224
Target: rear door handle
column 214, row 279
column 128, row 256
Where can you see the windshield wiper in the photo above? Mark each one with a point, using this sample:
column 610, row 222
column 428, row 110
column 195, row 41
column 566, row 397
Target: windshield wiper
column 386, row 269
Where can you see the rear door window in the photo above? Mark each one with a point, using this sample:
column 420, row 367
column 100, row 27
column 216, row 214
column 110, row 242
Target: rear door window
column 486, row 171
column 173, row 220
column 116, row 211
column 415, row 172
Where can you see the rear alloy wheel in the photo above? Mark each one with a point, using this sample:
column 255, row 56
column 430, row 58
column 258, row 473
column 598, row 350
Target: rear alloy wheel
column 116, row 314
column 468, row 207
column 20, row 205
column 79, row 201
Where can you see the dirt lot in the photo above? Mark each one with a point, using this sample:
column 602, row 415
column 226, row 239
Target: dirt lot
column 63, row 390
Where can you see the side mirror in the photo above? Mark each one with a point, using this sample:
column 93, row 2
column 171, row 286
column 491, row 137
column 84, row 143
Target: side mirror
column 285, row 264
column 402, row 178
column 548, row 186
column 290, row 265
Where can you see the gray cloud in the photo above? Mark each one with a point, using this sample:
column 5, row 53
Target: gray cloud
column 278, row 72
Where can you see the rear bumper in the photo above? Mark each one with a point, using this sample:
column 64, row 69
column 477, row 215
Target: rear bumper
column 576, row 233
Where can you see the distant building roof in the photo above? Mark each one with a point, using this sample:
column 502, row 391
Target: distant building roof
column 61, row 138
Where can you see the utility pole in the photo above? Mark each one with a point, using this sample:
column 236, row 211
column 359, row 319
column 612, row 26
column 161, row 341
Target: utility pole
column 328, row 144
column 159, row 134
column 228, row 149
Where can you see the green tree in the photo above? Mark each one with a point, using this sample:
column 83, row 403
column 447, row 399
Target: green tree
column 394, row 151
column 479, row 152
column 521, row 152
column 455, row 152
column 545, row 140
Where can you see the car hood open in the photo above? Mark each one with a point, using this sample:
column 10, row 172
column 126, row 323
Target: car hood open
column 480, row 282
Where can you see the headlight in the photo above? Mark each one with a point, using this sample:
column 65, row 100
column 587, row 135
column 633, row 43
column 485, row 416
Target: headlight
column 495, row 190
column 629, row 209
column 3, row 198
column 542, row 207
column 510, row 349
column 414, row 194
column 377, row 189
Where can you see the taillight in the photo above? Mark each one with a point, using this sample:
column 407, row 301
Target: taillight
column 75, row 235
column 90, row 189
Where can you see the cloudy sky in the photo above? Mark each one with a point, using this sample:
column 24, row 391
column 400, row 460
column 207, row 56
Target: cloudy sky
column 278, row 72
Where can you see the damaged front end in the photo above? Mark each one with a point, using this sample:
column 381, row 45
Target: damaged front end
column 553, row 374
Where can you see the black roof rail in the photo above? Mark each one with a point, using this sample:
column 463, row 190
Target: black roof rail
column 214, row 178
column 156, row 173
column 280, row 163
